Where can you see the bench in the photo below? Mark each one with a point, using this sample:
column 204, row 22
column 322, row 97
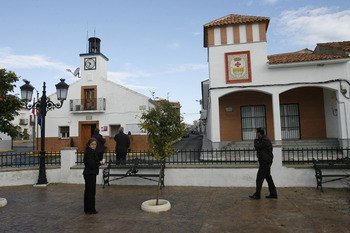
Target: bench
column 132, row 168
column 320, row 165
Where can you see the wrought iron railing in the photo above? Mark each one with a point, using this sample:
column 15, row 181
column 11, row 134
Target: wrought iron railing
column 190, row 157
column 15, row 160
column 96, row 104
column 290, row 156
column 305, row 155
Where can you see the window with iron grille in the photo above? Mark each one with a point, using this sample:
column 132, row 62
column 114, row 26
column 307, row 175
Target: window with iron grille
column 290, row 121
column 252, row 117
column 64, row 132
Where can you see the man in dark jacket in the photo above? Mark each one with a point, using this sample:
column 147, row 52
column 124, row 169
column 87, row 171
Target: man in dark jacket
column 263, row 146
column 122, row 144
column 100, row 143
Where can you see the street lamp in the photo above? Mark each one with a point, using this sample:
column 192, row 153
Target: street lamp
column 44, row 104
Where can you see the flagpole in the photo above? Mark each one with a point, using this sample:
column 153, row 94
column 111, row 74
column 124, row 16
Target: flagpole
column 37, row 131
column 33, row 133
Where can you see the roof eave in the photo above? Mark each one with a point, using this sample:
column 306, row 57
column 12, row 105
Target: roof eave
column 307, row 63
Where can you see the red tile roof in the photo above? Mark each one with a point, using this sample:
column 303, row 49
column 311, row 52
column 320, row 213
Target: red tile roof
column 343, row 45
column 309, row 55
column 300, row 57
column 236, row 19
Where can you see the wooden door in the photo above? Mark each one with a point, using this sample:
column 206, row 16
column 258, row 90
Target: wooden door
column 87, row 132
column 90, row 102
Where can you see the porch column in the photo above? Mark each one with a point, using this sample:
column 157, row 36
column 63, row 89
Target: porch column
column 215, row 122
column 343, row 115
column 276, row 118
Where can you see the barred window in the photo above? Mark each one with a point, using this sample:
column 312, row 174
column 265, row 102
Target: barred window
column 290, row 121
column 252, row 117
column 64, row 132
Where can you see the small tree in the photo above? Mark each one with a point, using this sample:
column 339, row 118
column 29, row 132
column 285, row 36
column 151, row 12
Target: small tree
column 9, row 104
column 163, row 125
column 72, row 142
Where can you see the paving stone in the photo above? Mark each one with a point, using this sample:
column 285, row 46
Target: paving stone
column 59, row 208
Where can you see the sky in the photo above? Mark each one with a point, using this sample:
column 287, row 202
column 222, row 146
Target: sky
column 153, row 46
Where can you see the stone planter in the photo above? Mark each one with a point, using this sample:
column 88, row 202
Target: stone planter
column 3, row 202
column 150, row 206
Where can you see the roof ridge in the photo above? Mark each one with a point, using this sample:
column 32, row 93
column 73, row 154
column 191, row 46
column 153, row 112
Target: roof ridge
column 302, row 51
column 236, row 19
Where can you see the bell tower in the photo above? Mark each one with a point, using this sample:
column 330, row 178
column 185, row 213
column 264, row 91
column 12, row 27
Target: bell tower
column 94, row 45
column 94, row 63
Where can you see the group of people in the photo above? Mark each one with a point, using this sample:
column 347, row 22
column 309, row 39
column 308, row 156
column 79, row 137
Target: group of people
column 93, row 159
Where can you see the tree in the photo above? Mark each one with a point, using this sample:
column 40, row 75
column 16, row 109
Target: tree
column 163, row 125
column 9, row 104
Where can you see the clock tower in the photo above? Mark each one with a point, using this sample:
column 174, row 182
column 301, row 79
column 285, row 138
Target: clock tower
column 93, row 63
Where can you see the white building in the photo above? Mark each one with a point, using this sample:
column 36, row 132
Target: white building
column 295, row 96
column 25, row 120
column 95, row 102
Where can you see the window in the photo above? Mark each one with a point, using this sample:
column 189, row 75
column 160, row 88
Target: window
column 290, row 125
column 90, row 102
column 64, row 132
column 114, row 129
column 252, row 117
column 133, row 128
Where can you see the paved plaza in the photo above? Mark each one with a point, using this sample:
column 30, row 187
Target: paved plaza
column 59, row 208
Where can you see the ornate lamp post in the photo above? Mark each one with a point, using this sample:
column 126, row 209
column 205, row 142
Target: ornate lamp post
column 44, row 104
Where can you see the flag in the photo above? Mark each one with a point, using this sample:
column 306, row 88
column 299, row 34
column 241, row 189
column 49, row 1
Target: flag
column 39, row 116
column 33, row 109
column 37, row 103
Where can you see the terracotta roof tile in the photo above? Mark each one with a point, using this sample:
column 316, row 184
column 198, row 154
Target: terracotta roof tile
column 300, row 57
column 344, row 45
column 236, row 19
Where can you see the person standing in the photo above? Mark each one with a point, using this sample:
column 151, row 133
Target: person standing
column 122, row 144
column 131, row 141
column 100, row 143
column 263, row 146
column 91, row 170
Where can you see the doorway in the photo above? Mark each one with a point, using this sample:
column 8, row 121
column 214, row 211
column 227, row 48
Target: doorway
column 86, row 131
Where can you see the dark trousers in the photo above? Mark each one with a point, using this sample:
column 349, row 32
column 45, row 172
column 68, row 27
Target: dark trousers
column 89, row 193
column 264, row 172
column 120, row 157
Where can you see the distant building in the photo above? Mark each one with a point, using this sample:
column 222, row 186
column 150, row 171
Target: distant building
column 295, row 96
column 25, row 120
column 175, row 105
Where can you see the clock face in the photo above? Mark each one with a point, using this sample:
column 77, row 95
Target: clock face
column 90, row 63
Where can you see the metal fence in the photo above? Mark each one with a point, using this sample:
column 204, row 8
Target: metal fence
column 190, row 157
column 290, row 156
column 305, row 155
column 16, row 160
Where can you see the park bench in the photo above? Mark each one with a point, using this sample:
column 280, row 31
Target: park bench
column 343, row 165
column 116, row 171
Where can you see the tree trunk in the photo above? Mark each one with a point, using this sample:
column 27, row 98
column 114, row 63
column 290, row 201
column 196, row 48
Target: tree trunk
column 159, row 181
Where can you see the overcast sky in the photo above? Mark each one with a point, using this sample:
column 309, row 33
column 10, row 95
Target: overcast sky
column 152, row 45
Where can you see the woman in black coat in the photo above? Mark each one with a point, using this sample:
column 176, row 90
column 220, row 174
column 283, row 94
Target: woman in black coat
column 92, row 164
column 100, row 143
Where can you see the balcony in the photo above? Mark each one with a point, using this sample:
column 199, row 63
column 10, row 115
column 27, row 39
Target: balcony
column 87, row 105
